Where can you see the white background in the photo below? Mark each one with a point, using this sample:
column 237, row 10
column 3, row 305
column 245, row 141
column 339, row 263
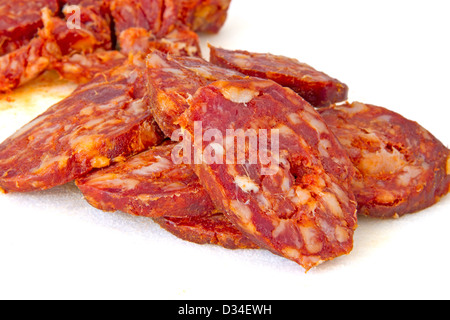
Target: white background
column 391, row 53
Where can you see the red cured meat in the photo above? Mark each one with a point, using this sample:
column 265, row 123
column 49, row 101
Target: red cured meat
column 86, row 27
column 145, row 14
column 401, row 167
column 179, row 42
column 82, row 68
column 314, row 86
column 52, row 42
column 198, row 15
column 149, row 184
column 172, row 80
column 298, row 204
column 20, row 21
column 28, row 62
column 103, row 121
column 215, row 229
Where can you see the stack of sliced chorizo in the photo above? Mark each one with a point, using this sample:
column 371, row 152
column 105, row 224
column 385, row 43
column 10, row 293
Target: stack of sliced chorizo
column 129, row 134
column 36, row 36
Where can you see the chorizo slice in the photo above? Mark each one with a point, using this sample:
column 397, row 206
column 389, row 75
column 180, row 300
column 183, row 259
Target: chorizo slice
column 86, row 26
column 172, row 80
column 401, row 167
column 214, row 229
column 145, row 14
column 314, row 86
column 20, row 21
column 286, row 184
column 198, row 15
column 28, row 62
column 162, row 16
column 181, row 41
column 149, row 184
column 102, row 122
column 54, row 41
column 83, row 67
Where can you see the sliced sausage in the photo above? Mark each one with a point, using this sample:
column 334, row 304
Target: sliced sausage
column 172, row 80
column 145, row 14
column 198, row 15
column 20, row 21
column 179, row 42
column 314, row 86
column 149, row 184
column 28, row 62
column 102, row 122
column 290, row 191
column 401, row 167
column 215, row 229
column 83, row 67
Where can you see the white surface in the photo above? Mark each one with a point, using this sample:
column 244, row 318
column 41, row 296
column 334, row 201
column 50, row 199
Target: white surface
column 391, row 53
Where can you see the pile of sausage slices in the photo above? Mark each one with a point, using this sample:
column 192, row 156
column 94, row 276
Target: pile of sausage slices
column 245, row 151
